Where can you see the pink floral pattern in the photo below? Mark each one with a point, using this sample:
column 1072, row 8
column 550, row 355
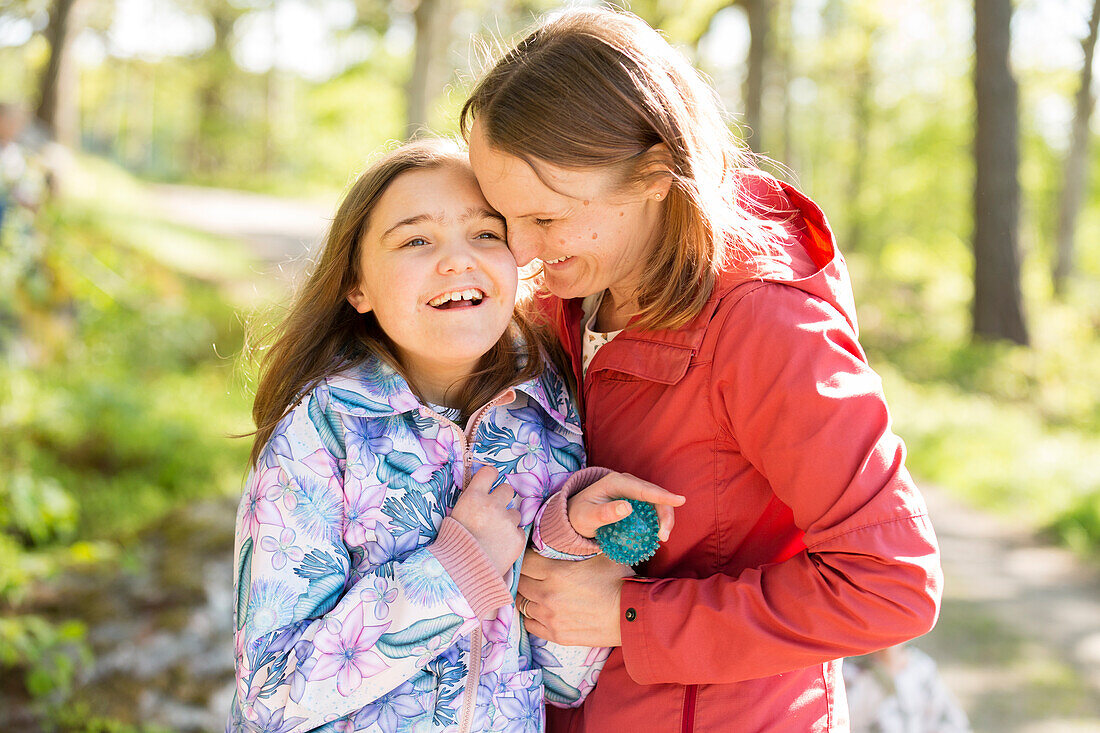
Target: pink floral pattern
column 345, row 618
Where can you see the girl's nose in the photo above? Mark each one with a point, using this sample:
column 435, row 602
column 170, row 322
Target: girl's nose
column 456, row 258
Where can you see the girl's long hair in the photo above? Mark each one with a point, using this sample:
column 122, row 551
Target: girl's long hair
column 597, row 88
column 322, row 334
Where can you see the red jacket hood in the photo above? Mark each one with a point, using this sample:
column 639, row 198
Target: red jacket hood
column 808, row 259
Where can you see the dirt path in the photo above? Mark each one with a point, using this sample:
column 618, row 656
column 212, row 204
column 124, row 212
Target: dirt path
column 1019, row 635
column 282, row 233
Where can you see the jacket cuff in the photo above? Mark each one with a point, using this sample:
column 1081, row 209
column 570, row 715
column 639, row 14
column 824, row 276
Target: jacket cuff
column 634, row 617
column 470, row 568
column 555, row 529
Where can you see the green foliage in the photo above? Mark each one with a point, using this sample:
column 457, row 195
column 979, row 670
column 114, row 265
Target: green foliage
column 115, row 407
column 1079, row 524
column 77, row 719
column 50, row 653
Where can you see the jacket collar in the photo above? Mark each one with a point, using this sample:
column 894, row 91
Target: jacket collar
column 374, row 389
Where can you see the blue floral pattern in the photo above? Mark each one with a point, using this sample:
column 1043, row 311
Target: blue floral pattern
column 345, row 620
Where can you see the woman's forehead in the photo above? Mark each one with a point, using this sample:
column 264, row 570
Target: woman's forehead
column 533, row 182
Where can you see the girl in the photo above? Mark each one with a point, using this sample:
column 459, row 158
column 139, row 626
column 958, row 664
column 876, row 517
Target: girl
column 376, row 564
column 710, row 322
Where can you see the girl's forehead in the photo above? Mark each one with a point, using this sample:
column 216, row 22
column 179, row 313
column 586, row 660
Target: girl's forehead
column 427, row 190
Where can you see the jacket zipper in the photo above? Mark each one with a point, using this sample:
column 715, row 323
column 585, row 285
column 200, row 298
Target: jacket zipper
column 687, row 723
column 473, row 674
column 473, row 669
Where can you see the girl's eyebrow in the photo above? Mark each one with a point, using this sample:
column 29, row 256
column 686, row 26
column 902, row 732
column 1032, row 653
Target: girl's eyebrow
column 474, row 212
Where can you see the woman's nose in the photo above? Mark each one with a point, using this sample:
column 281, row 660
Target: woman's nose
column 523, row 242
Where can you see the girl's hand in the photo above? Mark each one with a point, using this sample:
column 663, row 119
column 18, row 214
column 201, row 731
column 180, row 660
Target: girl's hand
column 487, row 517
column 601, row 503
column 572, row 603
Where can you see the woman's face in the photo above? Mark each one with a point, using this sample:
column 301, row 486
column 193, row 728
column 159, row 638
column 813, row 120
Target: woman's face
column 589, row 233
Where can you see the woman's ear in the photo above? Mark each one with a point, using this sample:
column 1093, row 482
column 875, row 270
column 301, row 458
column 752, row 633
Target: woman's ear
column 656, row 172
column 359, row 300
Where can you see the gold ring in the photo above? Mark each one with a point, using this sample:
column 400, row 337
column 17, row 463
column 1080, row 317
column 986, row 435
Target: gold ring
column 523, row 607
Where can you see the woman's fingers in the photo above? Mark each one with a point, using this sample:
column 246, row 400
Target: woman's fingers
column 536, row 627
column 535, row 568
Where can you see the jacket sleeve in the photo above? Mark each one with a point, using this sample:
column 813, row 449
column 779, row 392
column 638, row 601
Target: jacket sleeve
column 552, row 535
column 798, row 400
column 314, row 642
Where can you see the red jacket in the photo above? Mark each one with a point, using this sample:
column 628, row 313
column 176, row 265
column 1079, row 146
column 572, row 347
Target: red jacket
column 803, row 538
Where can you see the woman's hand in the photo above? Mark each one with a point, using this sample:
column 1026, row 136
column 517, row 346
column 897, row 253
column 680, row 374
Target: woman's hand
column 572, row 603
column 489, row 519
column 602, row 503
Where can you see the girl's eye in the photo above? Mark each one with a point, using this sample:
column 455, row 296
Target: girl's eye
column 543, row 222
column 489, row 235
column 416, row 242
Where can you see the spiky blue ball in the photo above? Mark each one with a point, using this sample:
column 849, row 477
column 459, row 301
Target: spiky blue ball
column 632, row 539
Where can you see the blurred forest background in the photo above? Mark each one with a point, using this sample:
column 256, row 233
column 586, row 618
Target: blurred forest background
column 950, row 142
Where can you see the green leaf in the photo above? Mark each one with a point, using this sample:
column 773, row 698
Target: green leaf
column 319, row 598
column 396, row 467
column 359, row 403
column 244, row 580
column 328, row 427
column 401, row 643
column 558, row 690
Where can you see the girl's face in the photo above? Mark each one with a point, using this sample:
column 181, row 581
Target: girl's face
column 437, row 274
column 589, row 234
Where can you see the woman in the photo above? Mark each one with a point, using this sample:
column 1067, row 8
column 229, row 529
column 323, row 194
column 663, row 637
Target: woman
column 710, row 323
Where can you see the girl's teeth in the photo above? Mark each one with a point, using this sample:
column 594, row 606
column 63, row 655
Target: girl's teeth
column 470, row 294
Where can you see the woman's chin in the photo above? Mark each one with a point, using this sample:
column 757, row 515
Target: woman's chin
column 567, row 287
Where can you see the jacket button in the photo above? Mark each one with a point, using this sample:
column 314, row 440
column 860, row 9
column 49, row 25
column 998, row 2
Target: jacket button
column 631, row 614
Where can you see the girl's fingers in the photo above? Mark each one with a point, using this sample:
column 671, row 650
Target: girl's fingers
column 504, row 494
column 661, row 497
column 612, row 512
column 666, row 517
column 482, row 481
column 631, row 487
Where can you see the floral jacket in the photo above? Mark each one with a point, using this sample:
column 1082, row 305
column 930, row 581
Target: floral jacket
column 361, row 606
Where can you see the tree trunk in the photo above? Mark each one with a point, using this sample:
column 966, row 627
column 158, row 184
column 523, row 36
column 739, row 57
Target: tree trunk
column 433, row 21
column 785, row 58
column 758, row 12
column 862, row 113
column 208, row 146
column 57, row 101
column 998, row 304
column 1076, row 163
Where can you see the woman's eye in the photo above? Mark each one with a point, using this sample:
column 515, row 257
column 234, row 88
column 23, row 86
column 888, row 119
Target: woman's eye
column 543, row 222
column 416, row 242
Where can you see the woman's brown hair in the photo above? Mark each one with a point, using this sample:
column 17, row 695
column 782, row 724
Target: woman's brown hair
column 322, row 334
column 597, row 87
